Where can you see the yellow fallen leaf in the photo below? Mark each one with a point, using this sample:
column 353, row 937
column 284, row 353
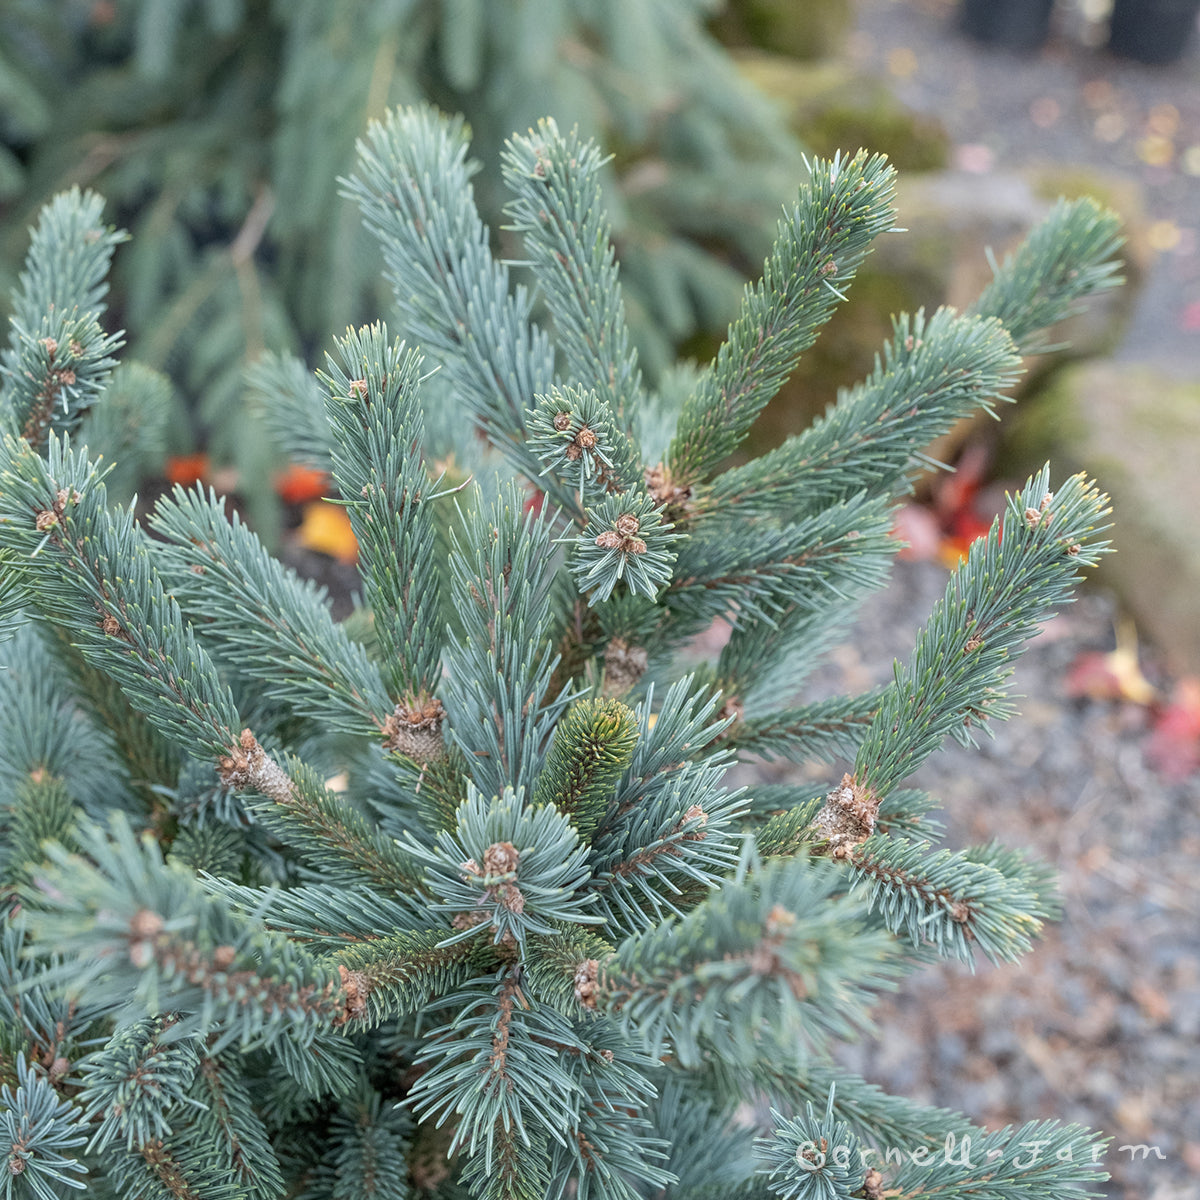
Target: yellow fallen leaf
column 902, row 62
column 326, row 527
column 1155, row 151
column 1163, row 235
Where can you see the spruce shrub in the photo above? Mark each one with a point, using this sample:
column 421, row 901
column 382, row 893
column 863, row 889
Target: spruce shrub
column 451, row 899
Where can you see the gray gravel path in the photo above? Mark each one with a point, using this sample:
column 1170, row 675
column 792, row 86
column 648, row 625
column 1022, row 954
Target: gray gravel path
column 1068, row 103
column 1101, row 1023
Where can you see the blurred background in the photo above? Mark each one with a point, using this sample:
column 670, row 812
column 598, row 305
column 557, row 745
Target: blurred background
column 216, row 129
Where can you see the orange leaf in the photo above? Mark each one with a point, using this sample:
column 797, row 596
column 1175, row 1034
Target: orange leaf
column 298, row 484
column 186, row 469
column 326, row 527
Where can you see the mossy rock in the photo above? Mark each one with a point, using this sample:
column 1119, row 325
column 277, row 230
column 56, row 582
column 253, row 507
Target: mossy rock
column 802, row 29
column 1136, row 428
column 831, row 107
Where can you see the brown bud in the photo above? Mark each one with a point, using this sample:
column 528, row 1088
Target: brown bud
column 562, row 421
column 609, row 541
column 585, row 439
column 500, row 858
column 587, row 976
column 357, row 987
column 627, row 525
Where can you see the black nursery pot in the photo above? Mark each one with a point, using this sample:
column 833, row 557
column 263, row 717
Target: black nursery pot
column 1012, row 24
column 1152, row 31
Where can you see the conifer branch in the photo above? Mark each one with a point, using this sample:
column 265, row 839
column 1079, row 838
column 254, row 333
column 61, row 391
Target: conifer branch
column 668, row 847
column 824, row 559
column 508, row 870
column 486, row 1068
column 325, row 916
column 150, row 936
column 370, row 1148
column 132, row 1084
column 559, row 211
column 379, row 434
column 933, row 373
column 1012, row 580
column 819, row 247
column 13, row 598
column 776, row 951
column 395, row 976
column 823, row 729
column 413, row 187
column 291, row 402
column 58, row 357
column 147, row 757
column 592, row 746
column 1068, row 257
column 41, row 810
column 956, row 903
column 626, row 539
column 126, row 428
column 276, row 626
column 91, row 573
column 335, row 836
column 499, row 670
column 577, row 435
column 765, row 663
column 38, row 1126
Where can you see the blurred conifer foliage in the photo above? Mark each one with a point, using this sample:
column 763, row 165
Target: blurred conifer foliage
column 217, row 130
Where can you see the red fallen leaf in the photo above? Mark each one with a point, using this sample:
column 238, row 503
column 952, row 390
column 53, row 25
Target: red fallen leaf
column 1189, row 319
column 955, row 492
column 965, row 528
column 297, row 484
column 1174, row 745
column 186, row 469
column 326, row 527
column 1112, row 676
column 919, row 528
column 534, row 504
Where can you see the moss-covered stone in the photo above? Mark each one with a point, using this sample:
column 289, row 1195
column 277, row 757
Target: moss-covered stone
column 831, row 106
column 803, row 29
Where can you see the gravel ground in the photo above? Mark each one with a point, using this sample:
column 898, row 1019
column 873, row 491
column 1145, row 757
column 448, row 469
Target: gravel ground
column 1100, row 1023
column 1069, row 103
